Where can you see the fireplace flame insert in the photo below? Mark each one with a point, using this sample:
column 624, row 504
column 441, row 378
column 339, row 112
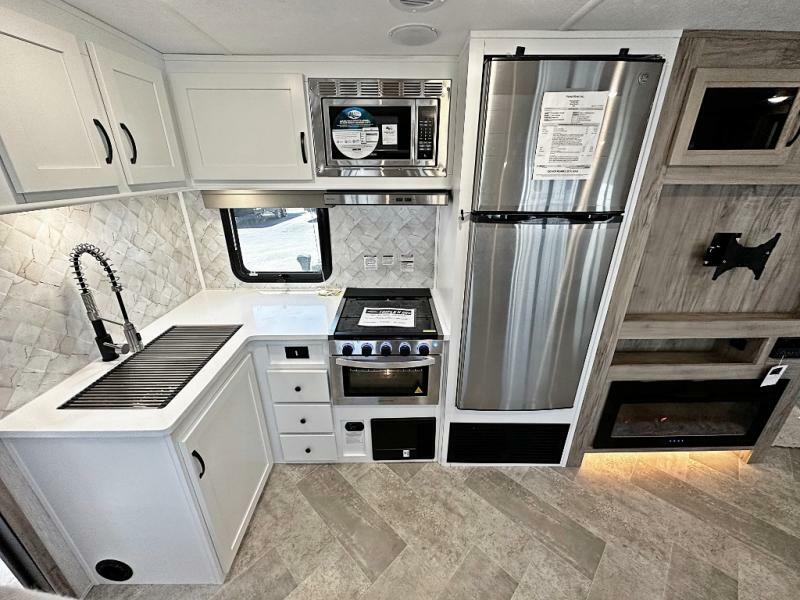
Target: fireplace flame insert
column 686, row 414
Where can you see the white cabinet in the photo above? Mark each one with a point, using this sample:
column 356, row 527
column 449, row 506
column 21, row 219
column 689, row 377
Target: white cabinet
column 243, row 126
column 141, row 119
column 139, row 497
column 227, row 451
column 53, row 132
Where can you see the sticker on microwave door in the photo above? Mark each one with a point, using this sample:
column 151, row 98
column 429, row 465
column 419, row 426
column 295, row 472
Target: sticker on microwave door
column 389, row 134
column 569, row 130
column 355, row 132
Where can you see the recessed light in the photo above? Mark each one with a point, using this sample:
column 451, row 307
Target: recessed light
column 416, row 6
column 413, row 34
column 777, row 99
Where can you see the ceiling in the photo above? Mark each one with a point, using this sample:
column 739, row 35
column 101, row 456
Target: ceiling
column 359, row 26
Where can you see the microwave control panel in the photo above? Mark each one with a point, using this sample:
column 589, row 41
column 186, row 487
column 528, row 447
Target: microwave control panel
column 426, row 132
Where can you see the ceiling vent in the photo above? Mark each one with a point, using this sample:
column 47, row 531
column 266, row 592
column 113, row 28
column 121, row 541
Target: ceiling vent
column 416, row 6
column 413, row 34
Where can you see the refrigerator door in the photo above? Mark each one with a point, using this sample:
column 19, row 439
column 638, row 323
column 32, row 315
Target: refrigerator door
column 513, row 91
column 534, row 291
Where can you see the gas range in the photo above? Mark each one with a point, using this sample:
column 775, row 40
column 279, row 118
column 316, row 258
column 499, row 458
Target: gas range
column 351, row 339
column 386, row 364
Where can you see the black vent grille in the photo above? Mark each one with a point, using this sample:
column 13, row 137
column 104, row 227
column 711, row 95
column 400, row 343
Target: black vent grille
column 153, row 377
column 506, row 443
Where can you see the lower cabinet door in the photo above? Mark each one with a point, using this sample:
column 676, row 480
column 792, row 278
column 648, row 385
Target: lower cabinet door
column 228, row 456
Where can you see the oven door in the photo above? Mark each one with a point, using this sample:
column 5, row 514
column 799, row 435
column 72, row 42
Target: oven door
column 386, row 380
column 370, row 132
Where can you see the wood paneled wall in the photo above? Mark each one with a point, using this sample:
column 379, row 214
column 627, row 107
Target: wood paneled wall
column 719, row 49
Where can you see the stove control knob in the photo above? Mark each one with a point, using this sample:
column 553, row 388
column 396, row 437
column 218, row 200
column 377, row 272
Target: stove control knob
column 347, row 349
column 405, row 349
column 366, row 349
column 423, row 350
column 386, row 350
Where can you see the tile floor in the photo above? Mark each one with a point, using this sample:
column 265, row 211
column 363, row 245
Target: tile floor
column 635, row 527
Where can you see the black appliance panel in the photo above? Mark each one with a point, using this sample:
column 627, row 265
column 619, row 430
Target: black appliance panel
column 533, row 443
column 403, row 439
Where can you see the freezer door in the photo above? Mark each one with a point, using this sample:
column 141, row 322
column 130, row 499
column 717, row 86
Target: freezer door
column 533, row 294
column 513, row 90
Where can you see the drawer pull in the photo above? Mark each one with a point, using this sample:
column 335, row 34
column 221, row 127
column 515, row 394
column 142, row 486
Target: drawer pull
column 303, row 421
column 297, row 388
column 308, row 450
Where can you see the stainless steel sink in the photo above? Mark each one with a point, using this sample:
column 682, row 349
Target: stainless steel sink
column 152, row 377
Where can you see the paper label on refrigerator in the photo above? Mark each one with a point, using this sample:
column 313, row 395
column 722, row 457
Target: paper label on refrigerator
column 387, row 317
column 569, row 127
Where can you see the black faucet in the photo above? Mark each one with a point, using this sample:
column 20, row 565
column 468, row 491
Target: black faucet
column 108, row 349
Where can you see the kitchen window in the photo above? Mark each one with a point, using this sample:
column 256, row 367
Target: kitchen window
column 278, row 245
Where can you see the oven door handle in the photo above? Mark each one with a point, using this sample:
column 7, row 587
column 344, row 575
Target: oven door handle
column 376, row 364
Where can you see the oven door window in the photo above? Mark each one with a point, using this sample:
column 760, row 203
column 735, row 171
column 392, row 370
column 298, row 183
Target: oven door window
column 374, row 382
column 364, row 132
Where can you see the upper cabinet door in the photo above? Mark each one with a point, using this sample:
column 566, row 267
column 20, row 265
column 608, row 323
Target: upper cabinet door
column 54, row 134
column 740, row 117
column 138, row 108
column 243, row 126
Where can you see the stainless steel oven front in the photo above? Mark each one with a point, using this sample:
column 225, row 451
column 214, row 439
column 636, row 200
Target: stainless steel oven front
column 379, row 127
column 378, row 380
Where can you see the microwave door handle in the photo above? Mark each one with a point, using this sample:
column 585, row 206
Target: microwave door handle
column 400, row 364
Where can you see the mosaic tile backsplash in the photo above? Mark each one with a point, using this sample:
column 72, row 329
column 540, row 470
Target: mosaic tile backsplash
column 44, row 333
column 356, row 231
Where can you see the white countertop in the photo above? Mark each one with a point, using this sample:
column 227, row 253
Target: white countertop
column 263, row 315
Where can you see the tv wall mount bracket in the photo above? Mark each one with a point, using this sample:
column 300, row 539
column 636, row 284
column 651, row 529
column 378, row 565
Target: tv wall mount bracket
column 726, row 253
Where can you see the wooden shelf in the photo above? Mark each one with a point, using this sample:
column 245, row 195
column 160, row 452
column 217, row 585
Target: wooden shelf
column 677, row 371
column 709, row 325
column 717, row 175
column 673, row 358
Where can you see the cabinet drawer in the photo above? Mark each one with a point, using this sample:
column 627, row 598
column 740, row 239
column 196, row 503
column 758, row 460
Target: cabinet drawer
column 298, row 386
column 296, row 354
column 304, row 418
column 316, row 448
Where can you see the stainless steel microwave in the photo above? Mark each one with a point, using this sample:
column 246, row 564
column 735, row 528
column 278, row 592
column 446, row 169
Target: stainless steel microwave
column 380, row 127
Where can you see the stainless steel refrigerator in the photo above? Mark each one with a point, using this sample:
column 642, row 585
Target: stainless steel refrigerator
column 559, row 140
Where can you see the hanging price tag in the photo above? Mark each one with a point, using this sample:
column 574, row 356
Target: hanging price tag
column 773, row 375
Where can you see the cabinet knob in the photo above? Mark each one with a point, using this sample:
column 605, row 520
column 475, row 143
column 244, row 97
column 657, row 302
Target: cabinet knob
column 303, row 421
column 297, row 388
column 308, row 450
